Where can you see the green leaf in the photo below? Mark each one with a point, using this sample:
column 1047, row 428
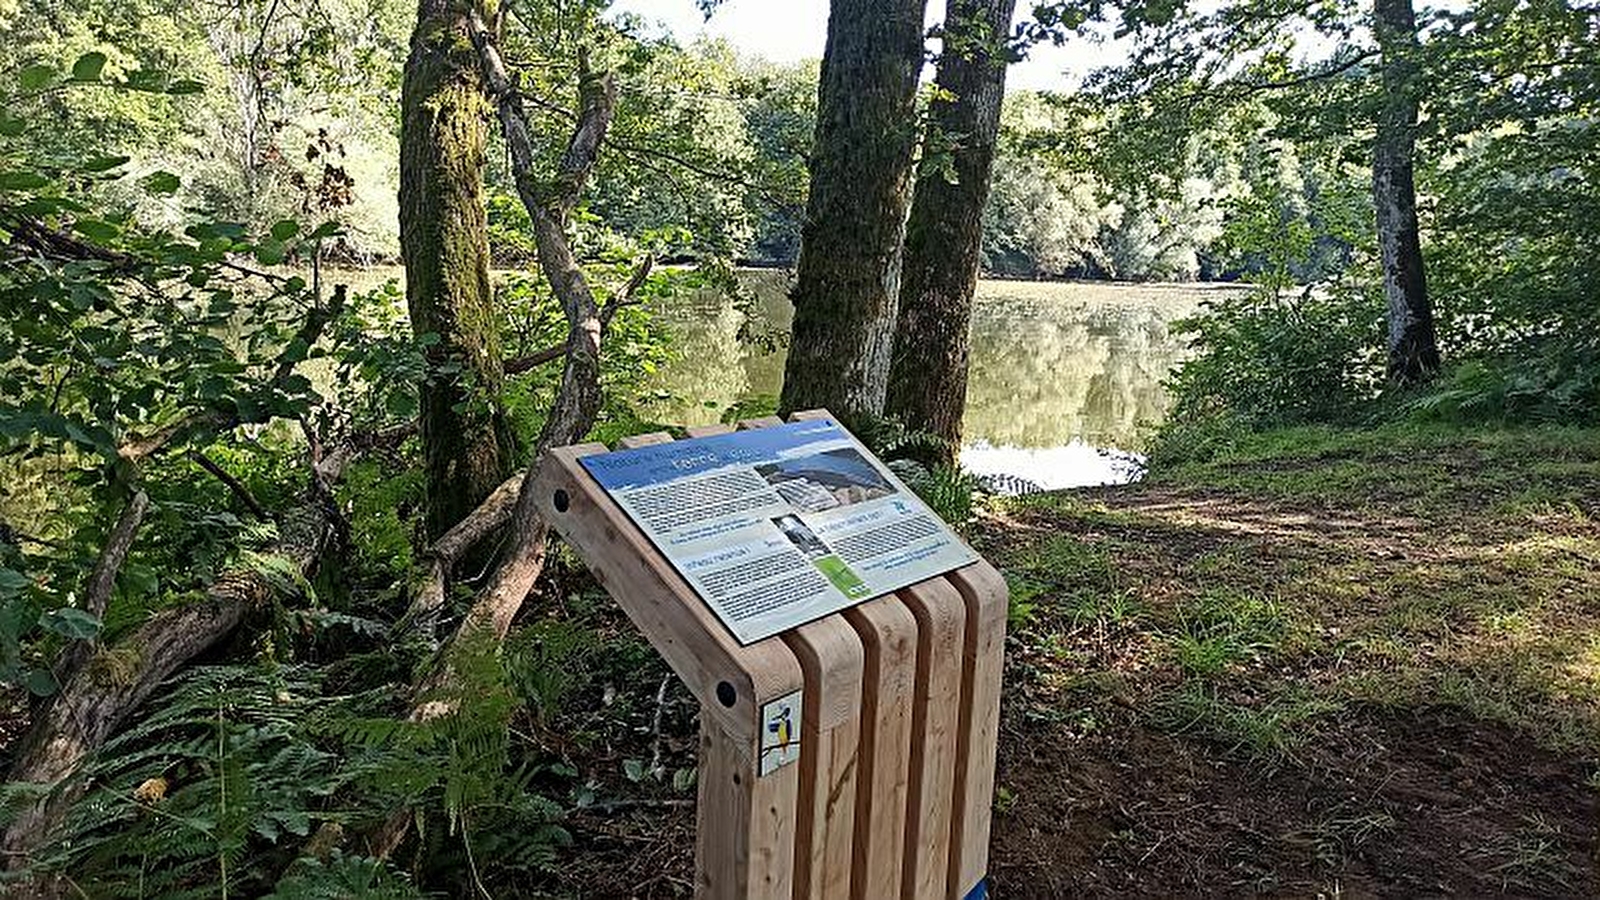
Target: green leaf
column 185, row 86
column 104, row 163
column 148, row 80
column 634, row 769
column 161, row 182
column 11, row 126
column 40, row 682
column 285, row 230
column 12, row 582
column 89, row 66
column 71, row 623
column 270, row 252
column 96, row 230
column 22, row 181
column 36, row 76
column 296, row 350
column 683, row 779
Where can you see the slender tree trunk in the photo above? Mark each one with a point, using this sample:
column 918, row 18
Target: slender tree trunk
column 849, row 271
column 1413, row 347
column 444, row 243
column 928, row 374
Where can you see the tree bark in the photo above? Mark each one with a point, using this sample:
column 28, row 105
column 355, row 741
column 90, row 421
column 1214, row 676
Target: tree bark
column 549, row 204
column 444, row 244
column 849, row 270
column 1413, row 346
column 944, row 237
column 110, row 686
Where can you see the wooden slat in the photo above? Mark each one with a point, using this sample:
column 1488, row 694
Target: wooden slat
column 831, row 657
column 700, row 431
column 888, row 634
column 678, row 624
column 645, row 440
column 745, row 824
column 984, row 593
column 745, row 836
column 935, row 720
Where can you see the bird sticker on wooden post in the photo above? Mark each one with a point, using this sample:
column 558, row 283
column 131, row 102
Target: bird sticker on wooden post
column 780, row 733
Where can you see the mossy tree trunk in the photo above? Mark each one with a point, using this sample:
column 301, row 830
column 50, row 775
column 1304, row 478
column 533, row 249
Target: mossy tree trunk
column 444, row 244
column 849, row 270
column 928, row 373
column 1413, row 345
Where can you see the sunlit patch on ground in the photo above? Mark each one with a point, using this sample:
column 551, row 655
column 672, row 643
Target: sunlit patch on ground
column 1362, row 662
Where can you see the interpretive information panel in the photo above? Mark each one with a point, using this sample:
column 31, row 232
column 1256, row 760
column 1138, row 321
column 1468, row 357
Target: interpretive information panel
column 775, row 527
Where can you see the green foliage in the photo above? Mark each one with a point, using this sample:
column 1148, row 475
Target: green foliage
column 547, row 661
column 1274, row 357
column 949, row 491
column 340, row 877
column 209, row 789
column 223, row 782
column 1559, row 386
column 917, row 458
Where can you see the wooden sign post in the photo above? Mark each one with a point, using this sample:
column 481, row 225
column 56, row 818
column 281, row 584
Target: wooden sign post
column 898, row 709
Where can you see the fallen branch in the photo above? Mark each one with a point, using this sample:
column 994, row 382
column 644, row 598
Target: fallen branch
column 656, row 768
column 234, row 485
column 137, row 449
column 577, row 401
column 100, row 695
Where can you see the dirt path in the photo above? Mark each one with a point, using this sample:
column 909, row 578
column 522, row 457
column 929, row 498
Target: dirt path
column 1330, row 664
column 1267, row 685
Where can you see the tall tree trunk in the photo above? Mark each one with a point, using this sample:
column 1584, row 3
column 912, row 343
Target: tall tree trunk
column 444, row 243
column 1413, row 347
column 928, row 373
column 849, row 271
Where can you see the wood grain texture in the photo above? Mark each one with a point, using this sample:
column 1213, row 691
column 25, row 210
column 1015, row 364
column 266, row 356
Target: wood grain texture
column 832, row 659
column 678, row 624
column 891, row 796
column 744, row 845
column 745, row 824
column 888, row 635
column 935, row 721
column 644, row 440
column 984, row 593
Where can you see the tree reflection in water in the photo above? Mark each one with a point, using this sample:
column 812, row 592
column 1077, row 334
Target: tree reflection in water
column 1065, row 379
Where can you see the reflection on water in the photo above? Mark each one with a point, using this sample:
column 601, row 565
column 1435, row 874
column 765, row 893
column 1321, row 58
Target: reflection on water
column 1065, row 378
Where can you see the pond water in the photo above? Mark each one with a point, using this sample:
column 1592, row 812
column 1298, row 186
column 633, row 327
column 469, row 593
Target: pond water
column 1064, row 386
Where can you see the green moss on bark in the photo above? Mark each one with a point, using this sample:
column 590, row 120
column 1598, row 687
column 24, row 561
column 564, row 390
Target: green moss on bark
column 444, row 244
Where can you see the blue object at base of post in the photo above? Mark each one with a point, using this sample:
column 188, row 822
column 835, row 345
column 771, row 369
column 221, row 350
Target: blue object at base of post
column 979, row 891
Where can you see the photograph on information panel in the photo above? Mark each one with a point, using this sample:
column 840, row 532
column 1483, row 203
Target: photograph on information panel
column 775, row 527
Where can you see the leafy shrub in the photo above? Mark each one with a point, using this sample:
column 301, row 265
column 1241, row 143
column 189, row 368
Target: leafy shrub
column 1557, row 387
column 1276, row 358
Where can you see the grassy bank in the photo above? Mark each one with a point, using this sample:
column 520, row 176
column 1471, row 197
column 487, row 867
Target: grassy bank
column 1310, row 661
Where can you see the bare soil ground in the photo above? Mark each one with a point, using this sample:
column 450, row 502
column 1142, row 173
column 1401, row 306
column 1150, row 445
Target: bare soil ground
column 1321, row 666
column 1318, row 664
